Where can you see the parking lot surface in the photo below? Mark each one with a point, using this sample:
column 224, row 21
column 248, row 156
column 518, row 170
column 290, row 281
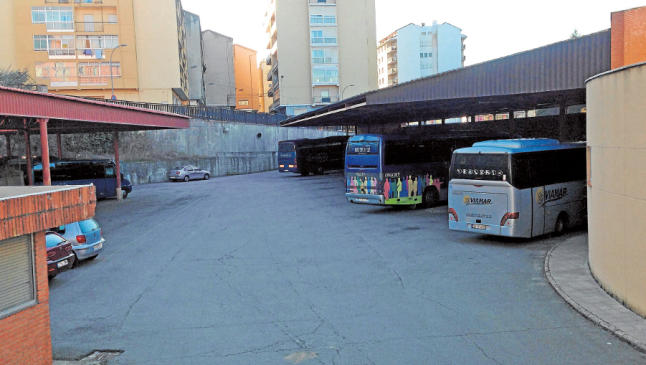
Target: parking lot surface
column 273, row 268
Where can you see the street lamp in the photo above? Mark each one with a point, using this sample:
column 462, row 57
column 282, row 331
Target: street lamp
column 111, row 77
column 343, row 90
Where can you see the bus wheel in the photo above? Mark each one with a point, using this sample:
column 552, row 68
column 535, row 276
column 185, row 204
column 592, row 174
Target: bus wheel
column 305, row 172
column 561, row 224
column 430, row 197
column 319, row 170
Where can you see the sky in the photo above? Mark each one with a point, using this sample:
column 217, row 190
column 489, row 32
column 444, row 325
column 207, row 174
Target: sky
column 494, row 28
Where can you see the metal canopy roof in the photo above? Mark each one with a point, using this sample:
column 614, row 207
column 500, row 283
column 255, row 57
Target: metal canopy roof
column 74, row 115
column 543, row 76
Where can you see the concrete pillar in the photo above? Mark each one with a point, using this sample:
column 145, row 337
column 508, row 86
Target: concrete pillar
column 44, row 147
column 117, row 169
column 59, row 145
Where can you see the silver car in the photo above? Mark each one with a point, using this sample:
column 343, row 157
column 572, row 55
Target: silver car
column 86, row 238
column 188, row 173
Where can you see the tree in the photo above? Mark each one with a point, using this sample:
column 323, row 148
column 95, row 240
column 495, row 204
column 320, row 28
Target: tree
column 18, row 79
column 575, row 34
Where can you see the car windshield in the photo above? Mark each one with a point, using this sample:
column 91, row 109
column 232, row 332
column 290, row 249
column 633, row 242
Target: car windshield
column 53, row 240
column 177, row 168
column 88, row 225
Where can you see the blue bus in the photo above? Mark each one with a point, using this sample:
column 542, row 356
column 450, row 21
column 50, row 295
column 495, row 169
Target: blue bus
column 397, row 170
column 518, row 187
column 316, row 156
column 100, row 173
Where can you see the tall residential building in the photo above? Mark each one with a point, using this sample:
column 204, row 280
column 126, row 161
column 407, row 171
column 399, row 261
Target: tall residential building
column 195, row 58
column 245, row 69
column 320, row 51
column 265, row 86
column 416, row 51
column 219, row 80
column 70, row 46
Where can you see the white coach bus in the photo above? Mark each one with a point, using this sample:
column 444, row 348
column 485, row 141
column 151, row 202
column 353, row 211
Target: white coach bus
column 518, row 187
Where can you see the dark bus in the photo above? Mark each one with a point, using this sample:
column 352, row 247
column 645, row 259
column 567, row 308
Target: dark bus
column 100, row 173
column 398, row 170
column 316, row 156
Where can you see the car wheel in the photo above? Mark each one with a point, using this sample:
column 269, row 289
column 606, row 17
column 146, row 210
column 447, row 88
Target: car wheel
column 186, row 178
column 77, row 262
column 124, row 194
column 561, row 224
column 206, row 176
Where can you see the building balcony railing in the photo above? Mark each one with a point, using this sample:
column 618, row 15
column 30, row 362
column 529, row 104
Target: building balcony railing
column 325, row 99
column 324, row 60
column 73, row 1
column 92, row 27
column 392, row 60
column 322, row 2
column 330, row 41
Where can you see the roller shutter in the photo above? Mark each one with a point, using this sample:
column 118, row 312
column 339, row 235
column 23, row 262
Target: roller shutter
column 16, row 274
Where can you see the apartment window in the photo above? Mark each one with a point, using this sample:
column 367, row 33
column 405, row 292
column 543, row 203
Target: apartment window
column 55, row 45
column 93, row 46
column 319, row 38
column 98, row 73
column 325, row 76
column 324, row 56
column 59, row 74
column 243, row 102
column 56, row 18
column 112, row 18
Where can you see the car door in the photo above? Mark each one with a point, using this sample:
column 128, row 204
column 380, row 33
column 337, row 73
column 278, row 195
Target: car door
column 188, row 171
column 195, row 172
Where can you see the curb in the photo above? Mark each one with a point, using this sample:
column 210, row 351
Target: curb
column 584, row 311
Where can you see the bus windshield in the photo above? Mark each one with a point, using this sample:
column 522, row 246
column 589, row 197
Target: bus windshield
column 286, row 147
column 476, row 166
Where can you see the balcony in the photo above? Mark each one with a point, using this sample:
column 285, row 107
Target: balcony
column 324, row 41
column 322, row 2
column 79, row 2
column 392, row 60
column 324, row 60
column 325, row 99
column 92, row 27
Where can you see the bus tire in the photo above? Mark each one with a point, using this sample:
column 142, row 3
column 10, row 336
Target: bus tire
column 561, row 224
column 304, row 172
column 319, row 170
column 430, row 197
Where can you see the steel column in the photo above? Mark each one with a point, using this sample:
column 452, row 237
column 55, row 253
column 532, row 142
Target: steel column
column 44, row 148
column 117, row 164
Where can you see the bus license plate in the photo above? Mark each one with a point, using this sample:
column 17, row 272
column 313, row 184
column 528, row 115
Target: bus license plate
column 479, row 226
column 62, row 263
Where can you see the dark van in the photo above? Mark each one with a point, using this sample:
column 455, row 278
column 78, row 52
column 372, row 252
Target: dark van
column 101, row 173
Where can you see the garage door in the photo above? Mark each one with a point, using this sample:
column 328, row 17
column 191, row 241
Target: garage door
column 17, row 273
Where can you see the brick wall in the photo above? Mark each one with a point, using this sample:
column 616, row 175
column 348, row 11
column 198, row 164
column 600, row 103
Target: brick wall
column 628, row 37
column 25, row 336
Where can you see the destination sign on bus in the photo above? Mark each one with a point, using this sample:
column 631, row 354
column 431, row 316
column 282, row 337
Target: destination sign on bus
column 480, row 172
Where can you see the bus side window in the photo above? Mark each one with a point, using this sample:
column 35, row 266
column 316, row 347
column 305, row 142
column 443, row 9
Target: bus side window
column 109, row 172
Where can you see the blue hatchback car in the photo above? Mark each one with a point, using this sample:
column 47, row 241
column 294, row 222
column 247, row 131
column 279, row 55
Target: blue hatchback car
column 85, row 236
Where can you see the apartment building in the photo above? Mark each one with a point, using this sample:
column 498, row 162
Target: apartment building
column 245, row 69
column 84, row 47
column 320, row 51
column 416, row 51
column 219, row 80
column 195, row 59
column 265, row 85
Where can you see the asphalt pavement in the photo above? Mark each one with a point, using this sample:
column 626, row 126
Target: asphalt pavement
column 278, row 269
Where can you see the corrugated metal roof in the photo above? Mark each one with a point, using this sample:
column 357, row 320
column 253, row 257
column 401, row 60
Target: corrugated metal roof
column 541, row 73
column 559, row 66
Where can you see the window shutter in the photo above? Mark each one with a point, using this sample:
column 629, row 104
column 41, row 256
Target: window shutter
column 16, row 274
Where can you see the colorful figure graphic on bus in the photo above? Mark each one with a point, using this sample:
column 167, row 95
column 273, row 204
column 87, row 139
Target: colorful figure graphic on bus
column 387, row 189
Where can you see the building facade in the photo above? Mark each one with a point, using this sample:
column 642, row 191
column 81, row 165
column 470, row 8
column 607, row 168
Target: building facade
column 320, row 51
column 195, row 59
column 616, row 139
column 219, row 81
column 72, row 47
column 265, row 85
column 416, row 51
column 245, row 69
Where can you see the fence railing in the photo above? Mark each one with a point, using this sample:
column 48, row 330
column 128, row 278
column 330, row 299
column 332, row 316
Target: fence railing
column 208, row 112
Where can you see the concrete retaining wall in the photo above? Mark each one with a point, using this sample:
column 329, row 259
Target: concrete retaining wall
column 223, row 148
